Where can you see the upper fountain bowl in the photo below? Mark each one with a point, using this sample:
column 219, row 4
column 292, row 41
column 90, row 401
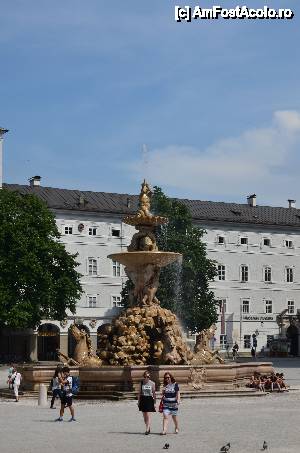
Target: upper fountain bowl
column 137, row 259
column 145, row 220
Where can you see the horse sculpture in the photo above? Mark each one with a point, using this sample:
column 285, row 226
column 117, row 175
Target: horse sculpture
column 83, row 354
column 202, row 352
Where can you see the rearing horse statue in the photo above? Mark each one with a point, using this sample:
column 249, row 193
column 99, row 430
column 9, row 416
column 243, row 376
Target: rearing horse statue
column 83, row 354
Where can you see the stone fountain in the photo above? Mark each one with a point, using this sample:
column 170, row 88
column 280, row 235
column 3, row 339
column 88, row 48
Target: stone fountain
column 145, row 335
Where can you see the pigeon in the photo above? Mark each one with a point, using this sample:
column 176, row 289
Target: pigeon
column 265, row 446
column 225, row 448
column 166, row 446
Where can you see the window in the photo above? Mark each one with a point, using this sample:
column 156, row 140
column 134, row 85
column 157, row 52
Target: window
column 223, row 341
column 115, row 232
column 267, row 274
column 221, row 272
column 116, row 269
column 244, row 241
column 246, row 306
column 266, row 242
column 247, row 341
column 291, row 307
column 221, row 240
column 289, row 275
column 92, row 301
column 289, row 244
column 68, row 230
column 222, row 305
column 116, row 301
column 92, row 266
column 270, row 338
column 244, row 273
column 268, row 306
column 92, row 231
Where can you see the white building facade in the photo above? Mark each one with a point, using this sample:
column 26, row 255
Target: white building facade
column 256, row 250
column 258, row 280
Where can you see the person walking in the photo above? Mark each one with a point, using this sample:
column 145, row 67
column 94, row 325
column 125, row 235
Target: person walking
column 10, row 373
column 16, row 381
column 66, row 396
column 170, row 402
column 147, row 399
column 235, row 351
column 56, row 385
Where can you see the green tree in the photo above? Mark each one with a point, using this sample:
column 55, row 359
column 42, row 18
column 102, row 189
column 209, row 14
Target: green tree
column 184, row 286
column 38, row 277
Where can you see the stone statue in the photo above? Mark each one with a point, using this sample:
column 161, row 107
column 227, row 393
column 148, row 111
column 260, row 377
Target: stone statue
column 146, row 281
column 83, row 354
column 202, row 351
column 144, row 201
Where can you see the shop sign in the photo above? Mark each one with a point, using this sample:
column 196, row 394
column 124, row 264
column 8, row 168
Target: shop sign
column 259, row 318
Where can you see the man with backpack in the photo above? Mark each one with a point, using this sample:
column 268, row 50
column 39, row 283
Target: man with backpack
column 70, row 386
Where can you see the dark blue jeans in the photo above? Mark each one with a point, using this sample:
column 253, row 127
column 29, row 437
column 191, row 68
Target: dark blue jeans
column 56, row 393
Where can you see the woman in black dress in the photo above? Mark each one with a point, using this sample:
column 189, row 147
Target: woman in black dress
column 147, row 399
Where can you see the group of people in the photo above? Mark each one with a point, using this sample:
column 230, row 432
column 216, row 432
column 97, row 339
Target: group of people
column 62, row 386
column 268, row 383
column 14, row 381
column 168, row 406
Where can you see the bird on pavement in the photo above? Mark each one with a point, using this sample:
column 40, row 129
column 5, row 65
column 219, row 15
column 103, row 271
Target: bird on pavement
column 166, row 446
column 265, row 446
column 225, row 448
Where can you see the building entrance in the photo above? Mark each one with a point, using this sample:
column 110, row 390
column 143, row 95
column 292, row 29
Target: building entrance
column 48, row 342
column 293, row 336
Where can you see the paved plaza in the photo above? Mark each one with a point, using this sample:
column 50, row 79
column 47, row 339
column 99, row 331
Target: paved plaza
column 113, row 427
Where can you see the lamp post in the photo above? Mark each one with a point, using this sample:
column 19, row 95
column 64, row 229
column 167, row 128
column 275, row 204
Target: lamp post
column 2, row 132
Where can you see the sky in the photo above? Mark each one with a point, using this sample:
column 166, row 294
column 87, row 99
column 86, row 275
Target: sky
column 85, row 85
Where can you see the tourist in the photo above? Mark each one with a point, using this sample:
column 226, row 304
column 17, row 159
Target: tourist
column 147, row 399
column 170, row 402
column 66, row 396
column 16, row 381
column 10, row 373
column 56, row 385
column 253, row 353
column 235, row 350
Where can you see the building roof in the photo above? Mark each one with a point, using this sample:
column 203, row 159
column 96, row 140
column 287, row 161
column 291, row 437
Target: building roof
column 114, row 203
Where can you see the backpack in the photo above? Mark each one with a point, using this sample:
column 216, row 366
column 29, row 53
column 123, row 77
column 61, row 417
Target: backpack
column 75, row 385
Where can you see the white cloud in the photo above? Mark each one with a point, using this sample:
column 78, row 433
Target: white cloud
column 260, row 160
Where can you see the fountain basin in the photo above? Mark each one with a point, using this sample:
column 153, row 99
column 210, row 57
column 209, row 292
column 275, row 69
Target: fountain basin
column 137, row 259
column 98, row 381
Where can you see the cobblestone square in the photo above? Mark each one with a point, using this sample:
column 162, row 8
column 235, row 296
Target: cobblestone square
column 205, row 425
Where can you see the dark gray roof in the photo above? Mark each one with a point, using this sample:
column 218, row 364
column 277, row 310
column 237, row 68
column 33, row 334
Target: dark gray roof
column 114, row 203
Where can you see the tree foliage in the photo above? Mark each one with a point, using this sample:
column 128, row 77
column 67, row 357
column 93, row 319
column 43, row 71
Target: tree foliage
column 38, row 277
column 184, row 287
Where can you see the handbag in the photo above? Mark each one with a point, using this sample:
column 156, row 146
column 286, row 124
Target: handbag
column 161, row 406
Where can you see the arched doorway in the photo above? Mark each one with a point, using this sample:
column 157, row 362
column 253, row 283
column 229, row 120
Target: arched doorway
column 48, row 342
column 292, row 335
column 72, row 341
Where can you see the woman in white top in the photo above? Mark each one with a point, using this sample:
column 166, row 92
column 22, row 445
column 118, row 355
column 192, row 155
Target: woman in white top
column 16, row 381
column 56, row 385
column 147, row 399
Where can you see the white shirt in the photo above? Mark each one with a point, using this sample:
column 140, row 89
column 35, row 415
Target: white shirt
column 55, row 383
column 68, row 386
column 17, row 378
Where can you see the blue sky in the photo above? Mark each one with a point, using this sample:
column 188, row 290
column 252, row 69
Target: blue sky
column 83, row 85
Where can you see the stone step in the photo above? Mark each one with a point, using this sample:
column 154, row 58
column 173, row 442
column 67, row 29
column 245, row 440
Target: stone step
column 118, row 396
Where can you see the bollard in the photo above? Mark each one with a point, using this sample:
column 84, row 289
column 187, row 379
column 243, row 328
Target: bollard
column 42, row 395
